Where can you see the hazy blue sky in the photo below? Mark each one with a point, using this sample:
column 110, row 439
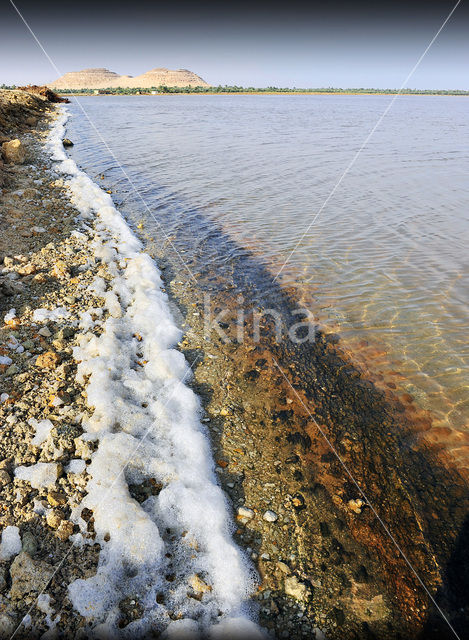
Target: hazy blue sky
column 343, row 44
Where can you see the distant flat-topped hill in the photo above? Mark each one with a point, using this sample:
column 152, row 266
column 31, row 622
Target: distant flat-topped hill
column 104, row 79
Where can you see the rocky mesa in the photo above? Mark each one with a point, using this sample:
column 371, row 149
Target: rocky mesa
column 105, row 79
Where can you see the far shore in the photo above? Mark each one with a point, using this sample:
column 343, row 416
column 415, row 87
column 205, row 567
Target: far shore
column 263, row 93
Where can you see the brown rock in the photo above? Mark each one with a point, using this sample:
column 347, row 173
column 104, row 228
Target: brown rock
column 54, row 518
column 14, row 152
column 28, row 576
column 27, row 270
column 5, row 478
column 48, row 360
column 65, row 530
column 60, row 270
column 55, row 498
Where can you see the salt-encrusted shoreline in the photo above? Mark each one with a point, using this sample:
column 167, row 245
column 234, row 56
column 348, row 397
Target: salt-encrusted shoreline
column 88, row 373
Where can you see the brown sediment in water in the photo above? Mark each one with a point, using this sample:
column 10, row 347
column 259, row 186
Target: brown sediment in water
column 358, row 582
column 374, row 361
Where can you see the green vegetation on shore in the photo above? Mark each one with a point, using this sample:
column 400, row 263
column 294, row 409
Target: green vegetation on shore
column 162, row 89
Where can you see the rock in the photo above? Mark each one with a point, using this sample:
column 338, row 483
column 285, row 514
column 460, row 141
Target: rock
column 270, row 516
column 67, row 143
column 28, row 576
column 27, row 270
column 295, row 589
column 45, row 331
column 356, row 505
column 5, row 478
column 198, row 585
column 29, row 543
column 14, row 152
column 8, row 622
column 48, row 360
column 244, row 512
column 83, row 448
column 65, row 530
column 55, row 498
column 60, row 270
column 3, row 585
column 283, row 567
column 12, row 369
column 54, row 518
column 31, row 121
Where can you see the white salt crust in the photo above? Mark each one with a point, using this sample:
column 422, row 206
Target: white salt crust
column 147, row 425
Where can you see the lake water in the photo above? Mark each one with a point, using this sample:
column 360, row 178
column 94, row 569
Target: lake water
column 385, row 262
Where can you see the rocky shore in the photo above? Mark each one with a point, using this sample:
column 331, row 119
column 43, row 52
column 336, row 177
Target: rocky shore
column 87, row 370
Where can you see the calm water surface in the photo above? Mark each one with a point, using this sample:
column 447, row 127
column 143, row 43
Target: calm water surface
column 385, row 263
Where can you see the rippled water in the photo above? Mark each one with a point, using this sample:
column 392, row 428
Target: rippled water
column 383, row 262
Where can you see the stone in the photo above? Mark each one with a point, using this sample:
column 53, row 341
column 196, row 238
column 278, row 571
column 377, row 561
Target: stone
column 83, row 448
column 48, row 360
column 283, row 567
column 356, row 505
column 67, row 143
column 244, row 512
column 55, row 498
column 198, row 585
column 28, row 576
column 8, row 622
column 14, row 152
column 295, row 589
column 270, row 516
column 29, row 543
column 5, row 478
column 60, row 270
column 45, row 332
column 27, row 270
column 65, row 530
column 54, row 518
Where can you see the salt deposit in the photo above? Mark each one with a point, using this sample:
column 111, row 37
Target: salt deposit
column 11, row 543
column 41, row 474
column 173, row 551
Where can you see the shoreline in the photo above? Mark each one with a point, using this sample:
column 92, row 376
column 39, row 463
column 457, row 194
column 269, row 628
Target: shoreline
column 269, row 93
column 268, row 457
column 86, row 379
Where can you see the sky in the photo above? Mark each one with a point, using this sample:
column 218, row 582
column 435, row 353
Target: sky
column 292, row 44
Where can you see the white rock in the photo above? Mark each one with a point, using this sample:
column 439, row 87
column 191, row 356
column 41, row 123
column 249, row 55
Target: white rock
column 270, row 516
column 244, row 512
column 11, row 543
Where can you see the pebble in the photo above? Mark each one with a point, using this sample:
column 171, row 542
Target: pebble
column 270, row 516
column 48, row 360
column 45, row 331
column 356, row 505
column 245, row 512
column 54, row 517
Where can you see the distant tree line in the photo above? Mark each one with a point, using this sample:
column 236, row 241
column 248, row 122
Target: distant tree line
column 237, row 89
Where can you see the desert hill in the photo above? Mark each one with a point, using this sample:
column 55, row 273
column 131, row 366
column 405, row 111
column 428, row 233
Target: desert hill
column 104, row 79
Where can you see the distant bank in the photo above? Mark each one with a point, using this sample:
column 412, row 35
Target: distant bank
column 101, row 81
column 226, row 90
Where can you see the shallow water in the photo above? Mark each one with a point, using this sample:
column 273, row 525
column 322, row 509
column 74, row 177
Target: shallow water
column 384, row 261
